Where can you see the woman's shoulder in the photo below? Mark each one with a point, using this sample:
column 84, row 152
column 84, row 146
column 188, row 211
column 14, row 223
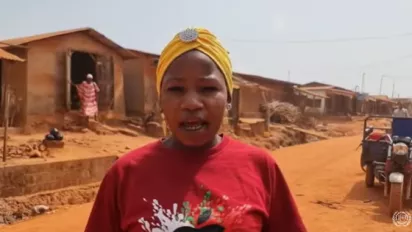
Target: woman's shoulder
column 135, row 155
column 251, row 152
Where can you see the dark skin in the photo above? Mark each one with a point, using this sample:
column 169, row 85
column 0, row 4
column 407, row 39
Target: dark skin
column 193, row 92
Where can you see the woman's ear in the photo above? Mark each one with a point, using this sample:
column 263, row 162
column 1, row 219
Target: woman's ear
column 229, row 103
column 229, row 99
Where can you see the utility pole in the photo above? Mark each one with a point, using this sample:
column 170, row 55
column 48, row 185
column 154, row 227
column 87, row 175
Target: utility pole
column 393, row 89
column 363, row 83
column 288, row 75
column 380, row 86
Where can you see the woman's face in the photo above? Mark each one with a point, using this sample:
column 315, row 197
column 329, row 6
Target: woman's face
column 193, row 98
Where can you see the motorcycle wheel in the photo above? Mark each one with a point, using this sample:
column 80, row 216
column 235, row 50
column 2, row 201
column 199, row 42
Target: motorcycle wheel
column 362, row 163
column 395, row 198
column 370, row 176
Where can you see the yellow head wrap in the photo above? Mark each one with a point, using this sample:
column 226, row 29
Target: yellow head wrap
column 199, row 39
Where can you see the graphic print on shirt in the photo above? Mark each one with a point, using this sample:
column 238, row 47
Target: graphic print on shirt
column 211, row 215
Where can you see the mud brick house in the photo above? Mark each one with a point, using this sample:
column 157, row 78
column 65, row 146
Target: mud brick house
column 340, row 101
column 383, row 105
column 308, row 102
column 140, row 71
column 253, row 90
column 7, row 62
column 364, row 104
column 53, row 60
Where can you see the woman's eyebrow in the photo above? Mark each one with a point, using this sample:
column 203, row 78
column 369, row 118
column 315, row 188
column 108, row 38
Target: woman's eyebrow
column 173, row 78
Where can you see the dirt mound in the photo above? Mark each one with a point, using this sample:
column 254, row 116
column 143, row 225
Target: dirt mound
column 29, row 149
column 21, row 208
column 281, row 112
column 276, row 138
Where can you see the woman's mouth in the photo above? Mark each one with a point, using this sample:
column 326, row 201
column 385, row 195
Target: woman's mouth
column 193, row 126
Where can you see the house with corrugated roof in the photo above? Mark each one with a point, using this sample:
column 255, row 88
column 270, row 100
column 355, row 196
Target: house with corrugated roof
column 339, row 101
column 383, row 105
column 7, row 62
column 140, row 84
column 254, row 90
column 53, row 60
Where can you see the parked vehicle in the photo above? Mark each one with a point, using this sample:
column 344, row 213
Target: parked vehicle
column 387, row 158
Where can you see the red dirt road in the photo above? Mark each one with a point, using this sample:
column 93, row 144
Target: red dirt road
column 325, row 178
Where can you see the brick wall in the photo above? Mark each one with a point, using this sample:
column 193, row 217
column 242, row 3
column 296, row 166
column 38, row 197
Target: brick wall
column 29, row 179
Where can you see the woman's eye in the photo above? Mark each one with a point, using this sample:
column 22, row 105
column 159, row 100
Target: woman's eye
column 209, row 89
column 175, row 89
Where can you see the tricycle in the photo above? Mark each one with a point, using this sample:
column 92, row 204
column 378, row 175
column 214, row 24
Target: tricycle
column 387, row 157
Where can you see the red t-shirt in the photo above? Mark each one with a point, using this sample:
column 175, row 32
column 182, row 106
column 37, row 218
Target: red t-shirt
column 231, row 187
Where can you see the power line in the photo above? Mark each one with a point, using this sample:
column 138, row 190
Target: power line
column 336, row 40
column 383, row 62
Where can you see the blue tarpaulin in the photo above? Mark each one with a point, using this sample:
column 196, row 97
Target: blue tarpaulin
column 402, row 127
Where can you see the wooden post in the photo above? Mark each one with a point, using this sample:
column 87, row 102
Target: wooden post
column 5, row 118
column 267, row 111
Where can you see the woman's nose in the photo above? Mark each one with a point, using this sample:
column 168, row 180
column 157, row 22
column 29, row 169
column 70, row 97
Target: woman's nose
column 191, row 101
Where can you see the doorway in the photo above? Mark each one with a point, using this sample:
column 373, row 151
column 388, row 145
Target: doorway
column 82, row 63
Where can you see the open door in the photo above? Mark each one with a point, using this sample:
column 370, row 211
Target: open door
column 68, row 63
column 105, row 81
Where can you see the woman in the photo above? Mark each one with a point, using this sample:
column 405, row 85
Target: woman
column 194, row 180
column 88, row 92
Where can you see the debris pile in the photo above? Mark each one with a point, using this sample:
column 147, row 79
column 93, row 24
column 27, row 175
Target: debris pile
column 14, row 209
column 281, row 112
column 308, row 122
column 34, row 149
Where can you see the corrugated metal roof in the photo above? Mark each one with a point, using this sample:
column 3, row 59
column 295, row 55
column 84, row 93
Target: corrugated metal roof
column 256, row 78
column 308, row 92
column 238, row 82
column 125, row 53
column 383, row 98
column 144, row 52
column 326, row 87
column 8, row 56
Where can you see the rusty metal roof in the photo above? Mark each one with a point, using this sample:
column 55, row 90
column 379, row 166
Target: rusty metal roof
column 331, row 89
column 383, row 98
column 8, row 56
column 238, row 82
column 256, row 78
column 308, row 92
column 125, row 53
column 144, row 52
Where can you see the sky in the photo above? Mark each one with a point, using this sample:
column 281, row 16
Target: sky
column 331, row 41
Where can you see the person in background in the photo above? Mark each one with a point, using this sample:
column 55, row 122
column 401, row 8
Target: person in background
column 195, row 179
column 88, row 93
column 400, row 111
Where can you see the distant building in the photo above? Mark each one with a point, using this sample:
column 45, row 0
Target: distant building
column 53, row 60
column 140, row 83
column 340, row 101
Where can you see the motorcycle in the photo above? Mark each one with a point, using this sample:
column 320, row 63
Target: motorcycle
column 369, row 137
column 398, row 170
column 387, row 157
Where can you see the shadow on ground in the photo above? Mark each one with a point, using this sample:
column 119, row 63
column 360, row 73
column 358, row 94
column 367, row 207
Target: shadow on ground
column 373, row 197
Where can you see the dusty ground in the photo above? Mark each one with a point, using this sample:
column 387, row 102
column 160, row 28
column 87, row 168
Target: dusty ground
column 77, row 145
column 324, row 176
column 330, row 192
column 88, row 143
